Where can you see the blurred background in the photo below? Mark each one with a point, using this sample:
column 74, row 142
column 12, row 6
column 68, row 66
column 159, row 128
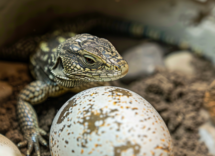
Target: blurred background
column 174, row 74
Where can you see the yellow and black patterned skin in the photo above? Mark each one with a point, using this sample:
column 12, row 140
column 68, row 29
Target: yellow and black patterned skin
column 62, row 64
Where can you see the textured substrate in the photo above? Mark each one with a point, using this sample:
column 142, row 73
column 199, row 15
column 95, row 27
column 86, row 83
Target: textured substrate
column 177, row 98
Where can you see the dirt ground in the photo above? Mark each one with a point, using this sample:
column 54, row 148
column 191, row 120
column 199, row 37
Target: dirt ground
column 178, row 99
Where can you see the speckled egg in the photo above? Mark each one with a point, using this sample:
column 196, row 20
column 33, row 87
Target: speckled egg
column 109, row 121
column 8, row 148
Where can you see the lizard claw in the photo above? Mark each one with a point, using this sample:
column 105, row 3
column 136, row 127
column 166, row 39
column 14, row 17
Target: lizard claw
column 22, row 144
column 32, row 137
column 42, row 132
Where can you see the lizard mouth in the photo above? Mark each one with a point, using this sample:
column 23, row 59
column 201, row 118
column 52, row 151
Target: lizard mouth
column 74, row 79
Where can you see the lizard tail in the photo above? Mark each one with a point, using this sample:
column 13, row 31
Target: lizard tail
column 139, row 30
column 21, row 50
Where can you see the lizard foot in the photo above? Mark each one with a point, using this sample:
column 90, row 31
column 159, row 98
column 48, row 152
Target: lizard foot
column 32, row 137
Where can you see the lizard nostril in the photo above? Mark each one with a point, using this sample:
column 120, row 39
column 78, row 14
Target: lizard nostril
column 58, row 67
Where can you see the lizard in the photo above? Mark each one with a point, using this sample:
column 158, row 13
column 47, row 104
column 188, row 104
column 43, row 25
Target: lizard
column 63, row 63
column 77, row 60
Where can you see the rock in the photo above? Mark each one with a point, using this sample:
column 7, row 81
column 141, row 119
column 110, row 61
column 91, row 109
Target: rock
column 142, row 60
column 207, row 135
column 8, row 148
column 180, row 61
column 5, row 91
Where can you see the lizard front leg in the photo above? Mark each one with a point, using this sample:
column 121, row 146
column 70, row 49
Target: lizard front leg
column 35, row 93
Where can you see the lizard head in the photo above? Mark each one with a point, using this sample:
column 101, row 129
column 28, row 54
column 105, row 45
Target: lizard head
column 87, row 58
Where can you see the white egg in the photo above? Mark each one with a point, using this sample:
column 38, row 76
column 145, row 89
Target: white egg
column 8, row 148
column 109, row 121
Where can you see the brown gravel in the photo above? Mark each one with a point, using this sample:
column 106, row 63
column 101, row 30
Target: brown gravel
column 177, row 98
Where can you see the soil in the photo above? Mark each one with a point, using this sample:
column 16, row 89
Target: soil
column 179, row 100
column 177, row 97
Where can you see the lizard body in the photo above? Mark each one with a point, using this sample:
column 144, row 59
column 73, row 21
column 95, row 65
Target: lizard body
column 59, row 65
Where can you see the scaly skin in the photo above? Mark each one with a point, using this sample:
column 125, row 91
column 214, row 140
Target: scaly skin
column 77, row 61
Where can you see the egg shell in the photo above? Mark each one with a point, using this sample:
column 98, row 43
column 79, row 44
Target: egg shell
column 109, row 121
column 8, row 148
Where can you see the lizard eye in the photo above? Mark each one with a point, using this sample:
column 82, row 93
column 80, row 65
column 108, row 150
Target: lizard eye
column 89, row 60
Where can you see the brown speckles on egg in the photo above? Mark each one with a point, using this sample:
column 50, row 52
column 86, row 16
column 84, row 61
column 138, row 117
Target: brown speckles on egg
column 134, row 108
column 118, row 150
column 165, row 149
column 127, row 107
column 82, row 151
column 121, row 91
column 61, row 129
column 66, row 110
column 97, row 145
column 110, row 121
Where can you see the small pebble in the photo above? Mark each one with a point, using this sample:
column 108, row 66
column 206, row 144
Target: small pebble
column 180, row 61
column 207, row 135
column 143, row 60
